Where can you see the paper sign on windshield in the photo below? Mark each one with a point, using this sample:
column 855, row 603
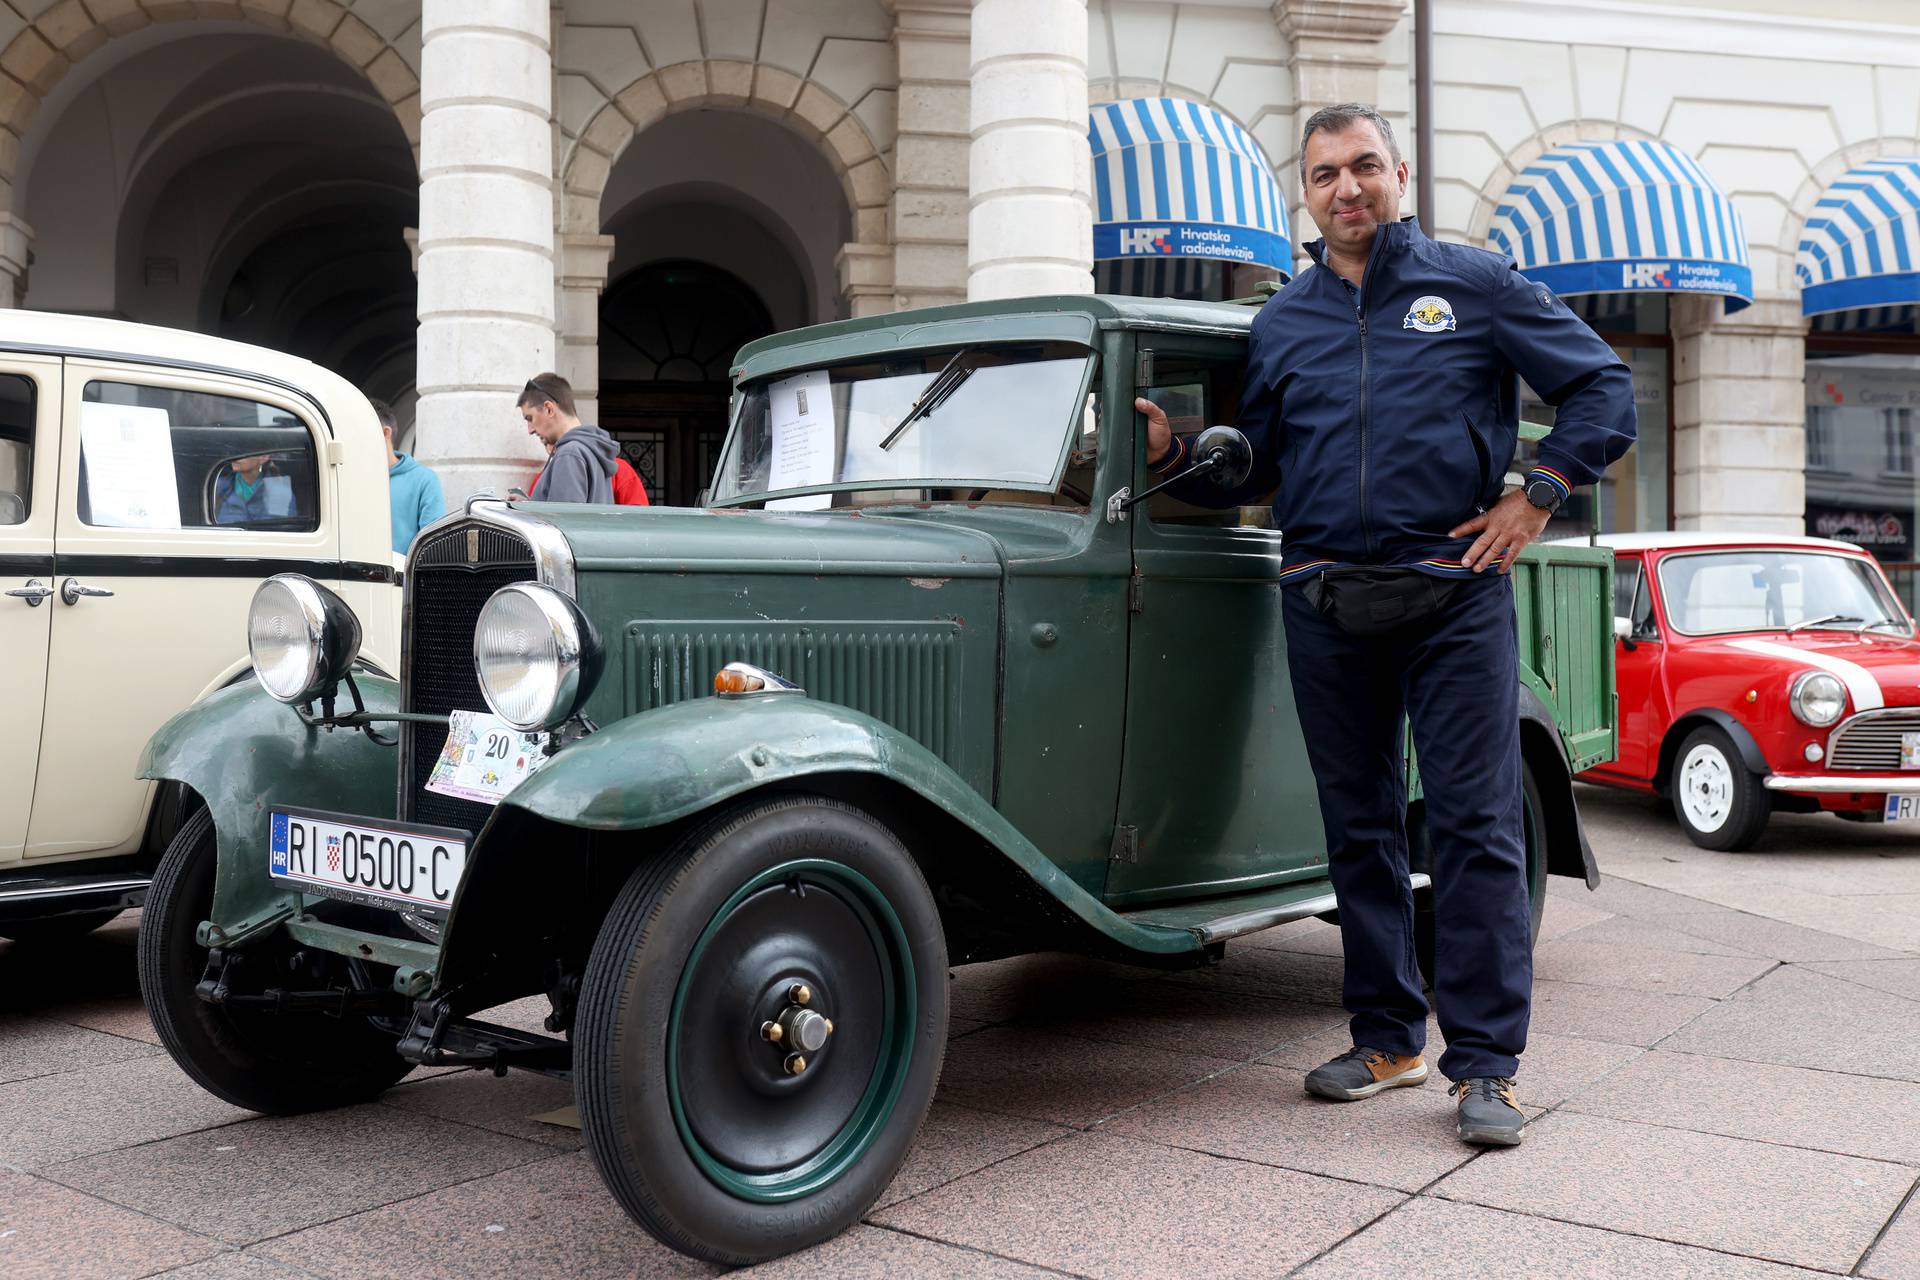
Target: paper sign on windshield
column 801, row 408
column 129, row 455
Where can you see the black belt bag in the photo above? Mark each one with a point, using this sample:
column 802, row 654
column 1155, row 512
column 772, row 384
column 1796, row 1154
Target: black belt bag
column 1364, row 601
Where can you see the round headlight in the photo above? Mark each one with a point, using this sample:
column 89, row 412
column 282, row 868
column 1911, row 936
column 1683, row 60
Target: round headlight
column 302, row 637
column 1817, row 698
column 537, row 656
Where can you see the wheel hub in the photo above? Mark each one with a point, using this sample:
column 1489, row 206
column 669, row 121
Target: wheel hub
column 798, row 1030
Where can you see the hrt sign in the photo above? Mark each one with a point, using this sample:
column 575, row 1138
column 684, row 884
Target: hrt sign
column 1145, row 240
column 1643, row 275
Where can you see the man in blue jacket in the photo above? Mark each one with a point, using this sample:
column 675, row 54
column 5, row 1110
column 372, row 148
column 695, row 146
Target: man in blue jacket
column 1381, row 398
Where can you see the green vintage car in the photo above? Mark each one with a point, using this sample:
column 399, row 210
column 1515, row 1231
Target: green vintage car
column 921, row 685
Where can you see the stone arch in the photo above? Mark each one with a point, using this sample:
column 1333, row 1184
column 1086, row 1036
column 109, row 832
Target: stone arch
column 806, row 108
column 1819, row 178
column 46, row 49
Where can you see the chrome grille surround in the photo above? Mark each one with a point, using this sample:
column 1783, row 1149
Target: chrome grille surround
column 1871, row 739
column 473, row 553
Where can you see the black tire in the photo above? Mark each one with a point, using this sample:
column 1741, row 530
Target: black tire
column 684, row 1103
column 1534, row 824
column 58, row 928
column 280, row 1064
column 1719, row 802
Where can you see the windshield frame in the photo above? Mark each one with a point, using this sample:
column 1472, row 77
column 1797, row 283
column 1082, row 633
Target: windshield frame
column 1069, row 428
column 1889, row 600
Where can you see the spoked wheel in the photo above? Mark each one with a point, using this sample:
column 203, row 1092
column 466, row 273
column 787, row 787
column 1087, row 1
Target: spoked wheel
column 760, row 1029
column 1720, row 802
column 1534, row 826
column 279, row 1063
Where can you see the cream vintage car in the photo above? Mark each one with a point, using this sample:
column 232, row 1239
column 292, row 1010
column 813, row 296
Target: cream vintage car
column 149, row 479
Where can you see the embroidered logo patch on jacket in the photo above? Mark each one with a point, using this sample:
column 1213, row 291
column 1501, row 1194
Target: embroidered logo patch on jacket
column 1430, row 314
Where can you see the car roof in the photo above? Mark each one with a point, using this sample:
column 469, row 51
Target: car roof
column 1695, row 539
column 55, row 333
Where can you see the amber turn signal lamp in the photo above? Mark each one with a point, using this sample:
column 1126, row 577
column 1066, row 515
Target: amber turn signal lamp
column 728, row 680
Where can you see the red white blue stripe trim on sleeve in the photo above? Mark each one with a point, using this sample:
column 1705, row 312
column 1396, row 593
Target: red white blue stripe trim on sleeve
column 1552, row 477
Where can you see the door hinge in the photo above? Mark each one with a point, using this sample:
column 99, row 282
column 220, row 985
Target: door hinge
column 1143, row 368
column 1126, row 845
column 1136, row 593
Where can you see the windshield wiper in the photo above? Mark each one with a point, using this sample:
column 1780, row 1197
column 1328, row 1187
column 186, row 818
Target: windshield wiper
column 1821, row 622
column 1895, row 623
column 944, row 384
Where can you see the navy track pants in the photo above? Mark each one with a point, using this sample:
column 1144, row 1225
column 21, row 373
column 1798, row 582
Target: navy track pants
column 1454, row 678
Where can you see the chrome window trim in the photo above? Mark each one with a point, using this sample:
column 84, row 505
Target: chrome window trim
column 553, row 566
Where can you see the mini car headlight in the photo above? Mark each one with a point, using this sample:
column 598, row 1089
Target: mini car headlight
column 302, row 637
column 1817, row 698
column 537, row 656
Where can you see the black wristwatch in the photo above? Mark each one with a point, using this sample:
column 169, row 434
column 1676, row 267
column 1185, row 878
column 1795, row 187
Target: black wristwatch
column 1544, row 493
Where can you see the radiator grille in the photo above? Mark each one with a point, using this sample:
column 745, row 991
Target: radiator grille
column 906, row 674
column 448, row 590
column 1872, row 740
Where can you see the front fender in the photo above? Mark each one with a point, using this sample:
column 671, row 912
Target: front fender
column 241, row 751
column 660, row 766
column 1569, row 853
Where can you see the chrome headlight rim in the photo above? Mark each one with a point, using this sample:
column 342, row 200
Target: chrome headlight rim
column 1809, row 684
column 331, row 638
column 575, row 654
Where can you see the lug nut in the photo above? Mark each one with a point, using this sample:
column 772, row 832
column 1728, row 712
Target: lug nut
column 829, row 1022
column 795, row 1064
column 772, row 1031
column 799, row 993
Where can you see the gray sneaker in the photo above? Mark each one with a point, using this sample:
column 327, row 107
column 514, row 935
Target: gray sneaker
column 1488, row 1115
column 1361, row 1072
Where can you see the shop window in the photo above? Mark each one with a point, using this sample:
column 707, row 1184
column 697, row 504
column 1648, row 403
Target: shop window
column 166, row 458
column 1899, row 441
column 1861, row 397
column 1819, row 437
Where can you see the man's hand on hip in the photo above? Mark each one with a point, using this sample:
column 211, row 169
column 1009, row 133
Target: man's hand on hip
column 1510, row 526
column 1159, row 433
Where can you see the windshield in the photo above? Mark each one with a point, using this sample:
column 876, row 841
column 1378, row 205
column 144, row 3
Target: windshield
column 1776, row 591
column 965, row 418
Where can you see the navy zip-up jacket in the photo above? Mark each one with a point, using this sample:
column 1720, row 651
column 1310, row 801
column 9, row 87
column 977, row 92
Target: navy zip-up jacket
column 1387, row 425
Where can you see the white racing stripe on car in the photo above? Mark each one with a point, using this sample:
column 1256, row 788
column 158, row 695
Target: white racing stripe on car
column 1860, row 683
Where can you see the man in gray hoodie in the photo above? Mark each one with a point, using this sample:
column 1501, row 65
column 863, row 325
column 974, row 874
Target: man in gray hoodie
column 583, row 455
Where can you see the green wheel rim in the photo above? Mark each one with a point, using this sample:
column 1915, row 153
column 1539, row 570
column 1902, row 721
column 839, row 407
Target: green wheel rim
column 900, row 1002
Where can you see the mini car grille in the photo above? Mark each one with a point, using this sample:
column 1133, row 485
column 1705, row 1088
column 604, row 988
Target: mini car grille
column 451, row 578
column 1872, row 740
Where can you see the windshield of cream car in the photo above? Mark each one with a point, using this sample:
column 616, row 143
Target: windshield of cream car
column 1755, row 590
column 953, row 422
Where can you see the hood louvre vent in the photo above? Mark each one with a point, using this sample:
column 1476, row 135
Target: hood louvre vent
column 905, row 674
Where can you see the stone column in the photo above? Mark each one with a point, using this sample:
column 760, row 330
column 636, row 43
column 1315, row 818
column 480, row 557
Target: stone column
column 583, row 277
column 486, row 261
column 928, row 213
column 1030, row 170
column 1739, row 416
column 16, row 244
column 1336, row 49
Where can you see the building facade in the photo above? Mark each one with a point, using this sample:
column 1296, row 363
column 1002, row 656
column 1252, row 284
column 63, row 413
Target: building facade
column 437, row 198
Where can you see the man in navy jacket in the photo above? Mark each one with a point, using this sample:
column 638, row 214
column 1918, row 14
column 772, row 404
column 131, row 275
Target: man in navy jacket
column 1382, row 399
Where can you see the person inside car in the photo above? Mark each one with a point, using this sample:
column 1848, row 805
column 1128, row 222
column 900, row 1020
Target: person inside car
column 251, row 490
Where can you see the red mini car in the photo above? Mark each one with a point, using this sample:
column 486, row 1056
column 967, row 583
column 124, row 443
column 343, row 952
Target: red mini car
column 1761, row 672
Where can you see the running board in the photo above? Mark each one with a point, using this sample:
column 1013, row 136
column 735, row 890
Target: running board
column 35, row 895
column 1218, row 919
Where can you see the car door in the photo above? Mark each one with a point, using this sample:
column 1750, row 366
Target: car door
column 160, row 542
column 1637, row 659
column 29, row 467
column 1215, row 786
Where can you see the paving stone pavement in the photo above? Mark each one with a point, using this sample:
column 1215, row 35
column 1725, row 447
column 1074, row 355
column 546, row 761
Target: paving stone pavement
column 1723, row 1081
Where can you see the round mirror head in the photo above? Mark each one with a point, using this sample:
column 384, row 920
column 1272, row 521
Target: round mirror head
column 1233, row 469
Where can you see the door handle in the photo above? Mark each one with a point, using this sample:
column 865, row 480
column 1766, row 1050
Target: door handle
column 33, row 593
column 72, row 589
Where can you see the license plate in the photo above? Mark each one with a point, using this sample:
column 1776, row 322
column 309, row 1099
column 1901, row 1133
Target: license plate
column 485, row 757
column 367, row 860
column 1903, row 808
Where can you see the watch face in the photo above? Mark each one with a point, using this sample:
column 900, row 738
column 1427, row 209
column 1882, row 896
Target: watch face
column 1543, row 495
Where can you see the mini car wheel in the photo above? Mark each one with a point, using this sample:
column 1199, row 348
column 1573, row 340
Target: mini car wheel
column 275, row 1063
column 760, row 1029
column 1534, row 828
column 1720, row 802
column 57, row 928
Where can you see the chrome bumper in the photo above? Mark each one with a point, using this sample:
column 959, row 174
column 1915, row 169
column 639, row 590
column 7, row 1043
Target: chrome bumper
column 1834, row 783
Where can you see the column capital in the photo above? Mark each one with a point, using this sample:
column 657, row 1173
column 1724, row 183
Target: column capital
column 1346, row 20
column 931, row 19
column 584, row 259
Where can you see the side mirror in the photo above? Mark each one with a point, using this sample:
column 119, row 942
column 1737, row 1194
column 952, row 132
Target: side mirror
column 1221, row 453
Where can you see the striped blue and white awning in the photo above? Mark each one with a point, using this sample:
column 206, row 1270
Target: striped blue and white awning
column 1624, row 217
column 1861, row 248
column 1174, row 179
